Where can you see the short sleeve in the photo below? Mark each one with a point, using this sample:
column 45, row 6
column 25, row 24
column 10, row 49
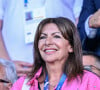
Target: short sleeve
column 94, row 83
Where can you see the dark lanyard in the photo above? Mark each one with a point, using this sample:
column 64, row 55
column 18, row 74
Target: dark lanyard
column 62, row 79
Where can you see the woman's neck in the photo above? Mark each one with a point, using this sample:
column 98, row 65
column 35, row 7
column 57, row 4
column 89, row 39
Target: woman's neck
column 54, row 70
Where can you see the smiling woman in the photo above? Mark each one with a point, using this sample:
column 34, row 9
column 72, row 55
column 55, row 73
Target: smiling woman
column 57, row 59
column 52, row 45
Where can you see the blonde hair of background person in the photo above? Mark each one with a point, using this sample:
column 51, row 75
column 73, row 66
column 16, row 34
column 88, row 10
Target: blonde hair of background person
column 58, row 59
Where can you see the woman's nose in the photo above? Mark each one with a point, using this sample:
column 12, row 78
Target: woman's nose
column 49, row 41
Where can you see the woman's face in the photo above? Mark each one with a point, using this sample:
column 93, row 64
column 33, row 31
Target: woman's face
column 52, row 45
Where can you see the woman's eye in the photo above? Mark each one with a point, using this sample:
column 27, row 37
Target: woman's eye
column 42, row 37
column 57, row 36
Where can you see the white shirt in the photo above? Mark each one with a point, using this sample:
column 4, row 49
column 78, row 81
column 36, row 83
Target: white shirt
column 91, row 32
column 77, row 7
column 12, row 12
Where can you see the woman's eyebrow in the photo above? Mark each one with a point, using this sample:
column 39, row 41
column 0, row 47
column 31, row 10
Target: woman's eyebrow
column 43, row 34
column 52, row 33
column 56, row 33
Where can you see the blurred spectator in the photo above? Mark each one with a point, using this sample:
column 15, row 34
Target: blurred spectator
column 18, row 22
column 91, row 62
column 89, row 26
column 7, row 74
column 77, row 9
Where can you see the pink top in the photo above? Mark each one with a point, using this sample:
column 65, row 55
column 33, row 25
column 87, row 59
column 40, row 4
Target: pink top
column 89, row 82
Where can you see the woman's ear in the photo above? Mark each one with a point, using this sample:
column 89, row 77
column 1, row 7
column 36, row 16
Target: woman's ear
column 70, row 49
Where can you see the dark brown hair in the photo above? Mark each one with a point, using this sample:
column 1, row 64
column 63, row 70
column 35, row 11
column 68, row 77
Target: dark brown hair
column 73, row 65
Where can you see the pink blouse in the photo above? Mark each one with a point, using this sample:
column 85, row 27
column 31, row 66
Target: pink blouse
column 89, row 82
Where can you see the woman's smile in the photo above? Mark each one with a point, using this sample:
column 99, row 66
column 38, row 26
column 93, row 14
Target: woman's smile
column 50, row 51
column 52, row 45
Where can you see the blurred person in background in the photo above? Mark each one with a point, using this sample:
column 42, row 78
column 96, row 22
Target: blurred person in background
column 91, row 62
column 18, row 23
column 89, row 26
column 77, row 9
column 7, row 74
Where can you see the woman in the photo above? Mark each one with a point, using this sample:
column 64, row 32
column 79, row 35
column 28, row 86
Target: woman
column 58, row 60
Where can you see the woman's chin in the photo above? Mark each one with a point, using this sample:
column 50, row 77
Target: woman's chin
column 50, row 61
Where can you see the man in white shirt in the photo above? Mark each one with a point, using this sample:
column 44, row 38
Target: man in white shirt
column 18, row 21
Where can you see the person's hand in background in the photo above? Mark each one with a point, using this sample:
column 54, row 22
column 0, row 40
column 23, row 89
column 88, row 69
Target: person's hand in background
column 94, row 21
column 22, row 68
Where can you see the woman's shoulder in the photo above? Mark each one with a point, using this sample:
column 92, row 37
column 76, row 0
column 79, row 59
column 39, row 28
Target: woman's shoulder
column 90, row 75
column 91, row 79
column 18, row 84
